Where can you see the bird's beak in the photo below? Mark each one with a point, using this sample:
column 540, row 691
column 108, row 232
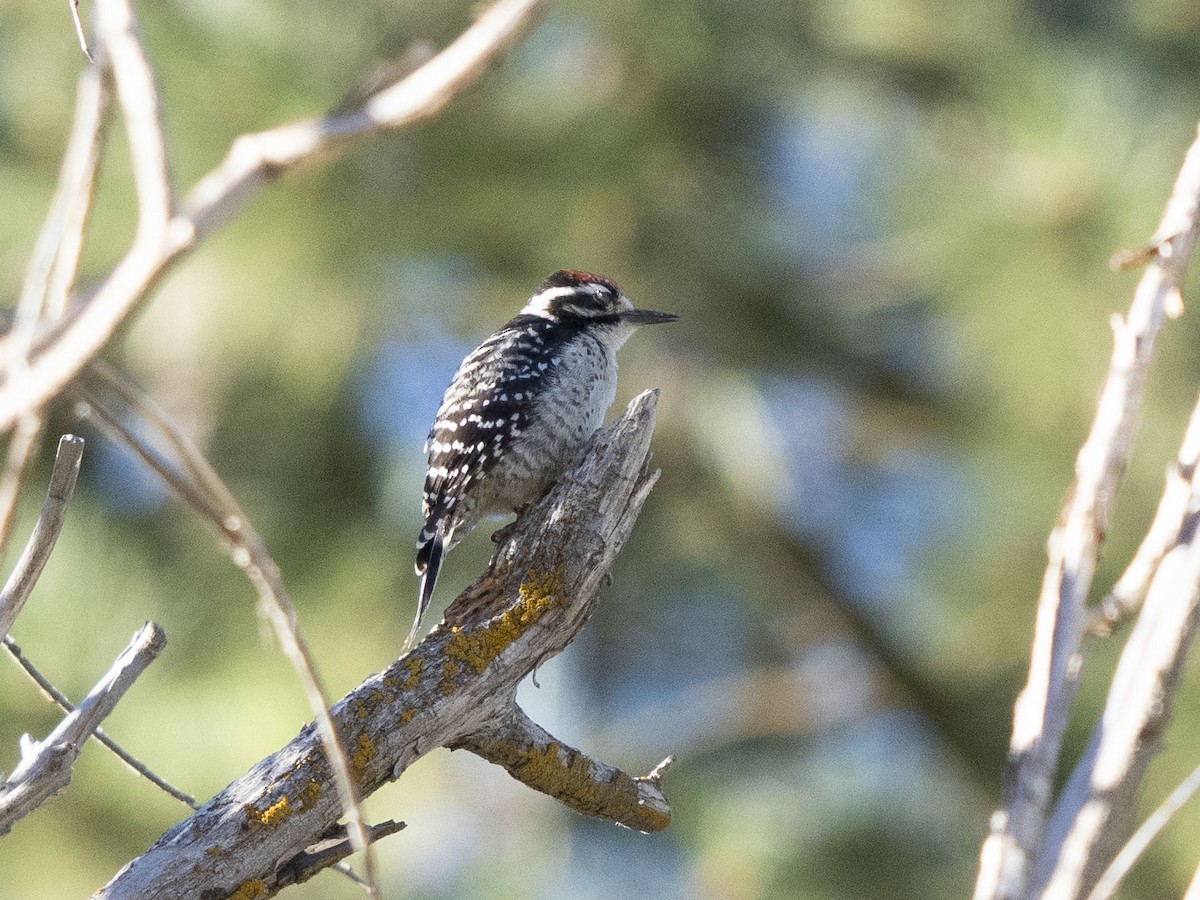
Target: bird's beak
column 646, row 317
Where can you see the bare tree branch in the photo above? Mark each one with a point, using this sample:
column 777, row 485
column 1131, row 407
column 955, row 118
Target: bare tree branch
column 79, row 33
column 1137, row 844
column 302, row 867
column 534, row 757
column 45, row 533
column 55, row 259
column 1095, row 811
column 327, row 853
column 25, row 575
column 1130, row 590
column 202, row 488
column 22, row 446
column 457, row 688
column 138, row 96
column 52, row 267
column 45, row 766
column 56, row 696
column 253, row 161
column 1042, row 709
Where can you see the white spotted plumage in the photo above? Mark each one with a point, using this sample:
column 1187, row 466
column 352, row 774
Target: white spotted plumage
column 520, row 408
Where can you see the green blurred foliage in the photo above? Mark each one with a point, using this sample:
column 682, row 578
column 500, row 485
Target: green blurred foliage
column 886, row 227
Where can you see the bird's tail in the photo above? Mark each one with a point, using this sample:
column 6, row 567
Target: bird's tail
column 430, row 550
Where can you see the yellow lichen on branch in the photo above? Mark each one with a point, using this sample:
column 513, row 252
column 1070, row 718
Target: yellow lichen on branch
column 272, row 816
column 414, row 666
column 363, row 753
column 455, row 690
column 478, row 646
column 275, row 814
column 570, row 776
column 309, row 794
column 249, row 890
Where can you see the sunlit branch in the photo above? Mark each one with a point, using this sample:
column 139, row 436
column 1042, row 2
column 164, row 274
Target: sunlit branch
column 1042, row 709
column 99, row 735
column 199, row 485
column 45, row 766
column 45, row 533
column 252, row 162
column 1137, row 844
column 535, row 758
column 52, row 268
column 456, row 689
column 1127, row 594
column 137, row 94
column 79, row 32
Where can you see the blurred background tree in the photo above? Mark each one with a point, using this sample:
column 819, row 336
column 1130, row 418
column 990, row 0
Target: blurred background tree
column 886, row 228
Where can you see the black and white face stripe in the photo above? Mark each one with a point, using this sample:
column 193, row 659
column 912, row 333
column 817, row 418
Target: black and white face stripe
column 578, row 296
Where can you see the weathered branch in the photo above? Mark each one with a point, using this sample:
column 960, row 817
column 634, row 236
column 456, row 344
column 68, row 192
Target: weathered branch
column 45, row 533
column 138, row 95
column 535, row 758
column 328, row 853
column 45, row 766
column 1130, row 590
column 40, row 361
column 1147, row 831
column 253, row 161
column 56, row 696
column 194, row 480
column 456, row 689
column 1095, row 811
column 1042, row 709
column 52, row 267
column 302, row 867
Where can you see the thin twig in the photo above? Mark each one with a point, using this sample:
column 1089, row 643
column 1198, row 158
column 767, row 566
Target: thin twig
column 55, row 257
column 252, row 162
column 255, row 159
column 22, row 447
column 138, row 767
column 100, row 734
column 201, row 487
column 73, row 199
column 1130, row 590
column 187, row 454
column 45, row 766
column 79, row 33
column 1141, row 838
column 62, row 350
column 45, row 533
column 1041, row 712
column 320, row 856
column 1094, row 812
column 52, row 268
column 138, row 96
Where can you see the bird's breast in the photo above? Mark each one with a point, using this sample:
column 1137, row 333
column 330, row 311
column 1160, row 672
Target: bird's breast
column 568, row 409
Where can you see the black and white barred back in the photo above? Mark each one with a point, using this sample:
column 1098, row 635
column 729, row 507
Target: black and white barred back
column 520, row 408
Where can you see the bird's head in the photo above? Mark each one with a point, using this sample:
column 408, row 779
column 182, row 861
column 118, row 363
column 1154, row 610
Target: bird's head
column 582, row 298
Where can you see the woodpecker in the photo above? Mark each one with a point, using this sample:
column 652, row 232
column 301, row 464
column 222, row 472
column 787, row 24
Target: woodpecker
column 520, row 408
